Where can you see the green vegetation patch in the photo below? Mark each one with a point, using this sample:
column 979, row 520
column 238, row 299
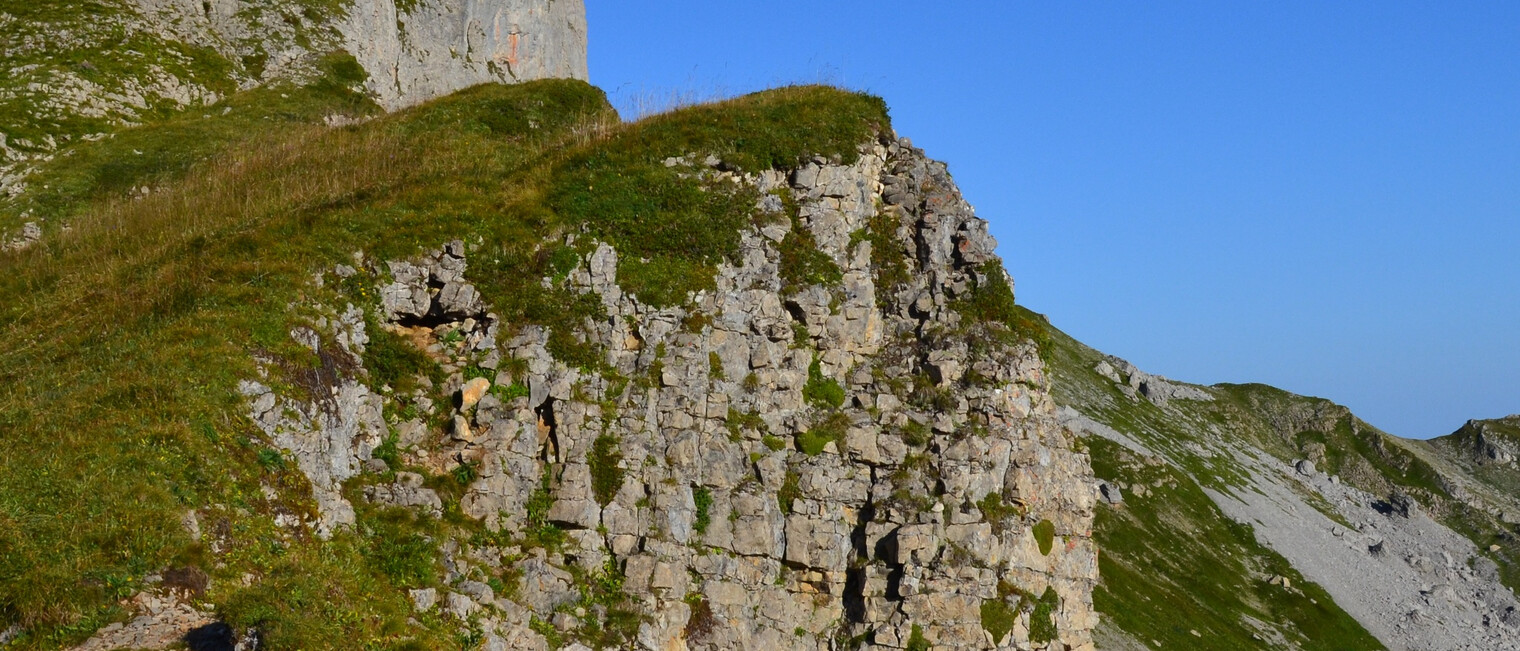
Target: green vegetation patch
column 991, row 303
column 738, row 422
column 164, row 150
column 395, row 362
column 312, row 597
column 704, row 501
column 607, row 472
column 791, row 489
column 916, row 641
column 1042, row 621
column 1045, row 535
column 998, row 513
column 830, row 428
column 889, row 263
column 822, row 391
column 998, row 618
column 669, row 225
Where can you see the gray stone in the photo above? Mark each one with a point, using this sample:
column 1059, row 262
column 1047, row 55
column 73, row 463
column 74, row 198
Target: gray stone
column 1110, row 493
column 423, row 599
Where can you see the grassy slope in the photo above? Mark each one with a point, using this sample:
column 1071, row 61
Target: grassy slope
column 1172, row 562
column 158, row 154
column 97, row 41
column 124, row 338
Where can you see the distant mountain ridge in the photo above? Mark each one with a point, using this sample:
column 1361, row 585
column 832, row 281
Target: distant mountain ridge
column 1256, row 518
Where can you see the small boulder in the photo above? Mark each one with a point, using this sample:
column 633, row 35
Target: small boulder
column 462, row 429
column 1403, row 504
column 473, row 391
column 1305, row 467
column 423, row 599
column 1110, row 493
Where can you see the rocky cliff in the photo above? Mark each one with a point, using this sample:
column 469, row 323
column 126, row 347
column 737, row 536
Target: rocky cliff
column 774, row 465
column 417, row 51
column 745, row 375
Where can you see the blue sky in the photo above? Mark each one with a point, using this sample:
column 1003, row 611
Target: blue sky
column 1320, row 196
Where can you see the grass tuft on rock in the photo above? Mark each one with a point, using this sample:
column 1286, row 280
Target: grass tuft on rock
column 1045, row 536
column 607, row 472
column 822, row 391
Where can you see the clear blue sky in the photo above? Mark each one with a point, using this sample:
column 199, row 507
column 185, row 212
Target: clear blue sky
column 1321, row 196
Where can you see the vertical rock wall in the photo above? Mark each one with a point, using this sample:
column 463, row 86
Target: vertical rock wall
column 426, row 49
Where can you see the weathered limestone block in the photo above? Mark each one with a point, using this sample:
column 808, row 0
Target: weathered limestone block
column 407, row 491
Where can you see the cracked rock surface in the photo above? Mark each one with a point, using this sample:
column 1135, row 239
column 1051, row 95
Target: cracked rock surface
column 766, row 466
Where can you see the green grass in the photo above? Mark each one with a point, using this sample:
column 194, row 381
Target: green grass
column 1045, row 536
column 916, row 641
column 123, row 340
column 164, row 150
column 829, row 429
column 392, row 361
column 791, row 489
column 822, row 391
column 606, row 472
column 704, row 500
column 670, row 226
column 998, row 617
column 991, row 305
column 997, row 512
column 1042, row 622
column 889, row 266
column 91, row 40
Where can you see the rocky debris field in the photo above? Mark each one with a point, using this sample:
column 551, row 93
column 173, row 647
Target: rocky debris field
column 1410, row 580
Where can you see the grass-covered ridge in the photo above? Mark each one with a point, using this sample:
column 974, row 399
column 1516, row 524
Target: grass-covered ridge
column 122, row 340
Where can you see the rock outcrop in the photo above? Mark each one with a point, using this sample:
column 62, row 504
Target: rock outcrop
column 417, row 51
column 770, row 465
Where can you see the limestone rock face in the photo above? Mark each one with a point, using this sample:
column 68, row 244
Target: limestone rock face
column 731, row 532
column 767, row 465
column 330, row 430
column 436, row 47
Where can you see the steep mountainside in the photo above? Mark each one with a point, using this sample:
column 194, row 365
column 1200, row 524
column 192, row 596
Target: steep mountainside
column 308, row 341
column 499, row 371
column 79, row 71
column 1270, row 520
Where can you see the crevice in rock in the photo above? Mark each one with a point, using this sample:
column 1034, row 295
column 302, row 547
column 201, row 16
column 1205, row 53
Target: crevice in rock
column 548, row 432
column 854, row 598
column 217, row 636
